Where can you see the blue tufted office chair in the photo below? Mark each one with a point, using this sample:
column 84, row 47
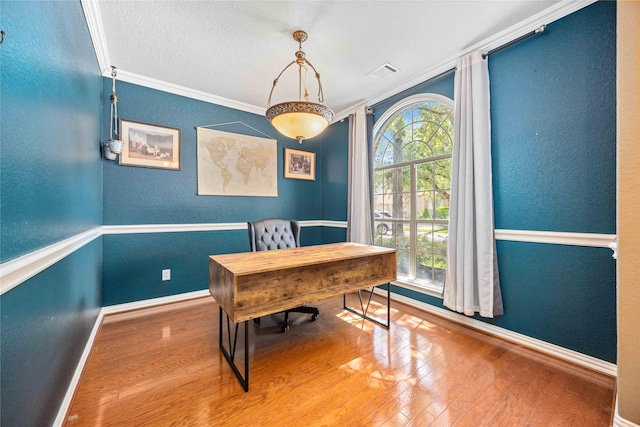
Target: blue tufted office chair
column 274, row 233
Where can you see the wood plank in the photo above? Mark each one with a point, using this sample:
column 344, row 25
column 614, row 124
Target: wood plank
column 264, row 261
column 255, row 284
column 162, row 367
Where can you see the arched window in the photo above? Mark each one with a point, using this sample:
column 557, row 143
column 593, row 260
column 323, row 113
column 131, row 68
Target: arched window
column 412, row 180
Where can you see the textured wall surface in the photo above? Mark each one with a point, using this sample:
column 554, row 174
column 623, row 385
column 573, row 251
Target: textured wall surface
column 335, row 169
column 553, row 118
column 134, row 262
column 50, row 181
column 50, row 190
column 553, row 111
column 133, row 195
column 46, row 322
column 553, row 133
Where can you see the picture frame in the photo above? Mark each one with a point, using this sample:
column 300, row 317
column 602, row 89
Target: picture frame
column 299, row 164
column 149, row 146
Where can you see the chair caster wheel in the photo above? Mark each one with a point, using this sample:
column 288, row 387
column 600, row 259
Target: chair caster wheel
column 284, row 328
column 314, row 317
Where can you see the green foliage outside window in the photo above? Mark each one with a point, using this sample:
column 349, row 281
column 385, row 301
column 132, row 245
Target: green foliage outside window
column 412, row 178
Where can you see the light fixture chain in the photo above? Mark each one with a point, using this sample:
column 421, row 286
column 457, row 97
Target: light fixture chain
column 114, row 105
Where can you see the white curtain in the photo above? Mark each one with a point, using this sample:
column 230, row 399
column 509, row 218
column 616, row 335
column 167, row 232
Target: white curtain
column 359, row 211
column 472, row 284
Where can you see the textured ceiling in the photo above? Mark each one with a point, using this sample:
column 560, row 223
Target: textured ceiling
column 235, row 49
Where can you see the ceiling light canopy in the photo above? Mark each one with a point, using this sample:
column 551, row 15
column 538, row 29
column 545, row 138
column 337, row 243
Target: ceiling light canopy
column 300, row 119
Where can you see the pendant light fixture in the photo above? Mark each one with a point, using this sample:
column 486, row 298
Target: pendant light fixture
column 300, row 119
column 113, row 147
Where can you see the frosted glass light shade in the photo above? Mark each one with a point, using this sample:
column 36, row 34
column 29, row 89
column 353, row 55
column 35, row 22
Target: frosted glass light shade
column 299, row 120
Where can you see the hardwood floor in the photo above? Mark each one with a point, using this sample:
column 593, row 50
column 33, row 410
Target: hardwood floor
column 162, row 367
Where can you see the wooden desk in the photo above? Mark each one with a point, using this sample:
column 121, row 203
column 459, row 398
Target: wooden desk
column 254, row 284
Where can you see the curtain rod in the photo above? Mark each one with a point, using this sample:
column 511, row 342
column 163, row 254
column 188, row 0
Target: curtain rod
column 540, row 29
column 400, row 95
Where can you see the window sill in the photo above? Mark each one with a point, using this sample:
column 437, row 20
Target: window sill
column 426, row 289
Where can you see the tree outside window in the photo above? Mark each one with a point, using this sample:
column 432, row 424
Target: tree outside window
column 412, row 180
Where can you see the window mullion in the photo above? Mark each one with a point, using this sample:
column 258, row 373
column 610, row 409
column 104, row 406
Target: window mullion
column 420, row 137
column 413, row 225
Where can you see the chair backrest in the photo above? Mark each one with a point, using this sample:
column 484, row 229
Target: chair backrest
column 273, row 233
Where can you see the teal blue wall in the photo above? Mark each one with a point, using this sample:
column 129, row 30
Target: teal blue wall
column 553, row 113
column 553, row 118
column 50, row 190
column 554, row 170
column 46, row 322
column 50, row 136
column 335, row 178
column 133, row 195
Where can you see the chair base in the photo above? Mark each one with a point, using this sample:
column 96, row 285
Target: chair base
column 313, row 311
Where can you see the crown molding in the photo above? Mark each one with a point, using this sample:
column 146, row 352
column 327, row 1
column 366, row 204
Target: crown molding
column 94, row 22
column 149, row 82
column 92, row 15
column 547, row 16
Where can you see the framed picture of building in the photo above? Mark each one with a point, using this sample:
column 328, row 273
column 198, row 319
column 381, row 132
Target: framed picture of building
column 299, row 164
column 149, row 146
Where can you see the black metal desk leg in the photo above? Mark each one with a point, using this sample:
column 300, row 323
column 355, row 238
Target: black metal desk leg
column 364, row 308
column 231, row 353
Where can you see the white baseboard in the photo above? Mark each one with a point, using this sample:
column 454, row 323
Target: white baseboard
column 75, row 380
column 618, row 421
column 563, row 353
column 119, row 308
column 572, row 356
column 535, row 344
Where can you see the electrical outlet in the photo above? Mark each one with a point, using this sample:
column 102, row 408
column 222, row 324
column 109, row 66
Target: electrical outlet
column 166, row 275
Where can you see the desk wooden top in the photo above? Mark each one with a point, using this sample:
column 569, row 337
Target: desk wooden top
column 244, row 263
column 253, row 284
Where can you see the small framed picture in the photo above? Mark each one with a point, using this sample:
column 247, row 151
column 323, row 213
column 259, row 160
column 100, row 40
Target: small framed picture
column 149, row 146
column 299, row 164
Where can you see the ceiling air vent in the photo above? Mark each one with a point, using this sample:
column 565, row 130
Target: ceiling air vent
column 383, row 71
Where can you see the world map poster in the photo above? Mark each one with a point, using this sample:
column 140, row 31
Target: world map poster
column 231, row 164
